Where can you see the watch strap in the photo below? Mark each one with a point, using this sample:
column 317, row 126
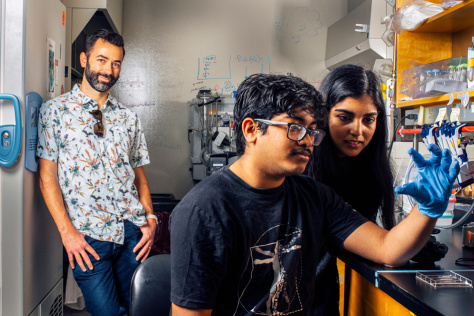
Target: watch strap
column 154, row 217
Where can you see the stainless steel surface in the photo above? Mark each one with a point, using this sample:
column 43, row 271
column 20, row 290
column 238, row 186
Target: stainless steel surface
column 11, row 186
column 43, row 253
column 52, row 304
column 346, row 45
column 31, row 252
column 415, row 142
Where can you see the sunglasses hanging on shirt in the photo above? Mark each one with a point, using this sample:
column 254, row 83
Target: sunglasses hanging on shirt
column 99, row 126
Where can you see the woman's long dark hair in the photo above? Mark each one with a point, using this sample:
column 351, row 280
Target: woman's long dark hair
column 364, row 181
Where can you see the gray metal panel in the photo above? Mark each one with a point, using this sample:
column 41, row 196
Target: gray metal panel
column 43, row 254
column 345, row 45
column 467, row 113
column 362, row 54
column 352, row 4
column 52, row 305
column 12, row 177
column 341, row 35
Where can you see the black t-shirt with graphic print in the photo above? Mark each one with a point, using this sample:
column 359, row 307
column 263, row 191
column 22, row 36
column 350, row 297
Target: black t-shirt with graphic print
column 244, row 251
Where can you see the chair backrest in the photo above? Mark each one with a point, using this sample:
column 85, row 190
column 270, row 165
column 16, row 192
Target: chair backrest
column 151, row 287
column 162, row 239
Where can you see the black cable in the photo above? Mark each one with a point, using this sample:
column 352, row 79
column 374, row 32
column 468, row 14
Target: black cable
column 409, row 116
column 216, row 99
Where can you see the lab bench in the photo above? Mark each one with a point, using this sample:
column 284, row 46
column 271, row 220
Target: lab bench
column 373, row 289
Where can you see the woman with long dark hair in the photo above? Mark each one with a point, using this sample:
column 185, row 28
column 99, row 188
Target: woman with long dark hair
column 352, row 159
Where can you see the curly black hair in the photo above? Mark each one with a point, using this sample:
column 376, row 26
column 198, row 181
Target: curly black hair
column 264, row 96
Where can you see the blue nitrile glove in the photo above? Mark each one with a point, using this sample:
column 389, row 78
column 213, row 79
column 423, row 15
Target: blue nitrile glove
column 432, row 186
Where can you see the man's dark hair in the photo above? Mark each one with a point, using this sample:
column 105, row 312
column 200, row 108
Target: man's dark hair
column 264, row 96
column 107, row 36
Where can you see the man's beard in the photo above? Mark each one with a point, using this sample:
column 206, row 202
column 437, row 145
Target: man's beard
column 93, row 79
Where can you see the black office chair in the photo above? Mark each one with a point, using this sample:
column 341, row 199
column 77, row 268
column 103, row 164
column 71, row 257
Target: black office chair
column 151, row 287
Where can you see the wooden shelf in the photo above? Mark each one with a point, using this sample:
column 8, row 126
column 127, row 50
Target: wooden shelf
column 454, row 19
column 438, row 100
column 444, row 35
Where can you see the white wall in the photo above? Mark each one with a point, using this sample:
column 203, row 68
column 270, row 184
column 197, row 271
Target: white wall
column 166, row 41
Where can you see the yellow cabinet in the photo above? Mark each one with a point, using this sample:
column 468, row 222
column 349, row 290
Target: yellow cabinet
column 364, row 299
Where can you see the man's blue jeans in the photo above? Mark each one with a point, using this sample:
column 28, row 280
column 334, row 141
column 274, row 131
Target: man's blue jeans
column 106, row 288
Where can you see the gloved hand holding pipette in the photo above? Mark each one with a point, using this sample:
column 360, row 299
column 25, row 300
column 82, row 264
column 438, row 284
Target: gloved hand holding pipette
column 434, row 181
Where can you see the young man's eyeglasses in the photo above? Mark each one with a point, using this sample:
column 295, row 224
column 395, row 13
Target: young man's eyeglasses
column 297, row 131
column 99, row 126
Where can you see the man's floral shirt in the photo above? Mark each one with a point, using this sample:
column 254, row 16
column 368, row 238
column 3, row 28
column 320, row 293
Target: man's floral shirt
column 95, row 174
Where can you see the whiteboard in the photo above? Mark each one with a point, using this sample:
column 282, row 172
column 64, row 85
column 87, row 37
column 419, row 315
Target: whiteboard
column 175, row 48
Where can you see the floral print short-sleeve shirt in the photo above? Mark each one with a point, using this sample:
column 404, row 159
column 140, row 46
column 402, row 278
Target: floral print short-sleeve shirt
column 95, row 173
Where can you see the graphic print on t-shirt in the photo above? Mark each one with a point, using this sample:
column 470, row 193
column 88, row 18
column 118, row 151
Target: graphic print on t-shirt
column 280, row 259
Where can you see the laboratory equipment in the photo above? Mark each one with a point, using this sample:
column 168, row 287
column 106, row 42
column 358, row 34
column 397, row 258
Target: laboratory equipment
column 357, row 37
column 444, row 279
column 446, row 135
column 440, row 77
column 211, row 133
column 218, row 161
column 441, row 85
column 470, row 67
column 468, row 235
column 220, row 139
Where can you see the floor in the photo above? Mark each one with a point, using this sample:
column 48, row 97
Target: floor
column 72, row 312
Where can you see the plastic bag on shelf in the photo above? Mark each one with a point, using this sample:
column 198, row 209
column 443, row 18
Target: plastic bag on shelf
column 441, row 77
column 449, row 3
column 411, row 15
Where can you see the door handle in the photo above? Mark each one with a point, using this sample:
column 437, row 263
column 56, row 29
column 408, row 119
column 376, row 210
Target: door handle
column 10, row 135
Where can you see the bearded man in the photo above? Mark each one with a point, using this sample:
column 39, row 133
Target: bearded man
column 91, row 153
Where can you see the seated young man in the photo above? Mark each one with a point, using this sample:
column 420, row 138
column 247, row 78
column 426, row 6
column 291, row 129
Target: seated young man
column 245, row 241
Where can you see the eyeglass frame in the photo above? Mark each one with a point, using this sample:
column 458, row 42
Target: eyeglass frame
column 306, row 130
column 99, row 130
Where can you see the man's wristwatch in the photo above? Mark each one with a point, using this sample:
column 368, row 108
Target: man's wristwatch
column 154, row 217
